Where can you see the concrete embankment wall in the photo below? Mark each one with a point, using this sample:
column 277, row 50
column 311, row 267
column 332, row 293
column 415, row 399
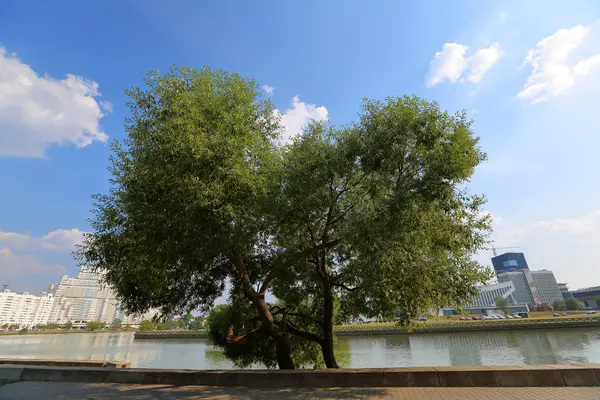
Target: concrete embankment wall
column 171, row 335
column 518, row 376
column 65, row 363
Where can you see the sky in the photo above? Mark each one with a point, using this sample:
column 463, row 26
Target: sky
column 528, row 73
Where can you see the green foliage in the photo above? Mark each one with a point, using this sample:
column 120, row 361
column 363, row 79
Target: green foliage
column 502, row 304
column 559, row 305
column 117, row 323
column 196, row 324
column 146, row 326
column 187, row 185
column 67, row 326
column 187, row 319
column 95, row 325
column 372, row 219
column 572, row 304
column 252, row 345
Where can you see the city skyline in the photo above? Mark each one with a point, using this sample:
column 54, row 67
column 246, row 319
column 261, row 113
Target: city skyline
column 526, row 73
column 79, row 299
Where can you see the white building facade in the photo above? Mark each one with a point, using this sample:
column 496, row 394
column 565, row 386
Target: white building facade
column 25, row 310
column 76, row 300
column 489, row 293
column 533, row 287
column 83, row 298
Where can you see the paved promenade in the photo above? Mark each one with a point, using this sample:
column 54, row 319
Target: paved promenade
column 108, row 391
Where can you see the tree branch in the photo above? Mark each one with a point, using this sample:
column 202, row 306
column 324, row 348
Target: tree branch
column 303, row 334
column 337, row 284
column 237, row 261
column 291, row 261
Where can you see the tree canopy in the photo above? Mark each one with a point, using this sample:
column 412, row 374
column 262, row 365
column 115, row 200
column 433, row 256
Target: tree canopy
column 373, row 218
column 572, row 304
column 502, row 304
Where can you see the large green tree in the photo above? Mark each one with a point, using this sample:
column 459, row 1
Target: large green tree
column 502, row 304
column 372, row 219
column 572, row 304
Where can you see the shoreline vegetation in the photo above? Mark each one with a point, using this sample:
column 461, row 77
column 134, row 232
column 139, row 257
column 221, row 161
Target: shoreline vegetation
column 390, row 328
column 437, row 324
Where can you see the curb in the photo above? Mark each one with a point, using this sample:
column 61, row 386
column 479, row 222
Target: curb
column 485, row 376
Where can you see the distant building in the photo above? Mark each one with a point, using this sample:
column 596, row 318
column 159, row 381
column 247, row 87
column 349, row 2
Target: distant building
column 588, row 296
column 533, row 287
column 83, row 298
column 25, row 310
column 485, row 303
column 508, row 262
column 489, row 294
column 564, row 290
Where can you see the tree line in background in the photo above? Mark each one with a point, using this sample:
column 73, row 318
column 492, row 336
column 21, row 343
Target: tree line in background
column 568, row 304
column 91, row 325
column 207, row 199
column 187, row 321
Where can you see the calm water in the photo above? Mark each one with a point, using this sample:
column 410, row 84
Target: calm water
column 477, row 348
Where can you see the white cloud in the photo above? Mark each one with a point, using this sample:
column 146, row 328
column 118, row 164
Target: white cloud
column 38, row 111
column 58, row 240
column 552, row 74
column 19, row 270
column 452, row 64
column 567, row 246
column 297, row 117
column 270, row 90
column 106, row 106
column 482, row 61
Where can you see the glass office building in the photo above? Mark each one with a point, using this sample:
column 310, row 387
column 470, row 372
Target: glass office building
column 509, row 262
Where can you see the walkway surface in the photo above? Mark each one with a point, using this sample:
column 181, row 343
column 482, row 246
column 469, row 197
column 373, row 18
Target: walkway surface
column 109, row 391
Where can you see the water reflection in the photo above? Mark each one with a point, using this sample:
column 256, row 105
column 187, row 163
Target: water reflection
column 476, row 348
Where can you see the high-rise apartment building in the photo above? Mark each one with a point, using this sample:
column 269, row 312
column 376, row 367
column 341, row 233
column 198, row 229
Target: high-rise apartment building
column 83, row 298
column 24, row 309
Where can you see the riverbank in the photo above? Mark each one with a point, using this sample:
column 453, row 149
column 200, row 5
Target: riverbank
column 378, row 329
column 63, row 332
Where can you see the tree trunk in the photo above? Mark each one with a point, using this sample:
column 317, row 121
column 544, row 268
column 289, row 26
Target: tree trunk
column 327, row 345
column 283, row 350
column 283, row 345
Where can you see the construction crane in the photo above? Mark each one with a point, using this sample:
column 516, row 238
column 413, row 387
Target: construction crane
column 494, row 248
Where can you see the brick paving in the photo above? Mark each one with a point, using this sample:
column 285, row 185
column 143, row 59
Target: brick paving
column 107, row 391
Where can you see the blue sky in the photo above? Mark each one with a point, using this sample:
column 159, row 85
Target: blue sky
column 527, row 72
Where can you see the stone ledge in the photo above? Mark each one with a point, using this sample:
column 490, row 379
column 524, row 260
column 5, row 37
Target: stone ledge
column 517, row 376
column 65, row 363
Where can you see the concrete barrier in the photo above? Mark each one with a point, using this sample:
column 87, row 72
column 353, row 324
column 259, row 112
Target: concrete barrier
column 517, row 376
column 65, row 363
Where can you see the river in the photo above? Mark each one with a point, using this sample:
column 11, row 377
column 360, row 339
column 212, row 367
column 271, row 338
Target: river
column 474, row 348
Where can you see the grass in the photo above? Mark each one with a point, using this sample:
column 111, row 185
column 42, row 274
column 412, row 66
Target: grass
column 451, row 320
